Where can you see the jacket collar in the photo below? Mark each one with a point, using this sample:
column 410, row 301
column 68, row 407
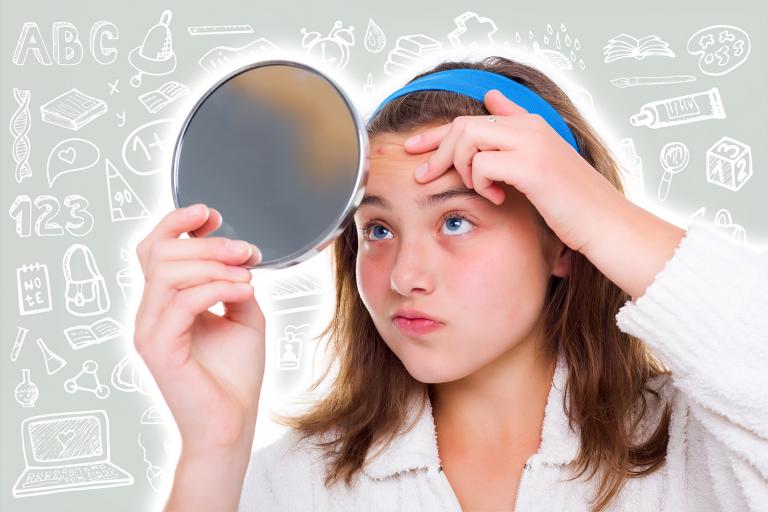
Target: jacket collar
column 417, row 448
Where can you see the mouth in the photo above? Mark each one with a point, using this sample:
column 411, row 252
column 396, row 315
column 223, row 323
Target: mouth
column 415, row 326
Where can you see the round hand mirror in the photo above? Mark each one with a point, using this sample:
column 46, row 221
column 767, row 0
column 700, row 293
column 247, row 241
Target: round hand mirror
column 279, row 150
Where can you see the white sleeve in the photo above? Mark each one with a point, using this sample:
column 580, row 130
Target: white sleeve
column 706, row 317
column 282, row 475
column 258, row 493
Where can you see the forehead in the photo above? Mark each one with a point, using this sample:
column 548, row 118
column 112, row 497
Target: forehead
column 391, row 164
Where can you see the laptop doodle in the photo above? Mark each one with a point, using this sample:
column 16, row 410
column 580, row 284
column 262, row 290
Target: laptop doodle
column 67, row 452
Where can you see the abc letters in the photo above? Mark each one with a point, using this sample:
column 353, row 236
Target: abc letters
column 66, row 45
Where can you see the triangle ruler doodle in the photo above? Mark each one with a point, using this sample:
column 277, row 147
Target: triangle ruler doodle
column 123, row 202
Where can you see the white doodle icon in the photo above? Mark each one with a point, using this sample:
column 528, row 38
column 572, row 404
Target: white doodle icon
column 113, row 87
column 27, row 392
column 156, row 100
column 72, row 110
column 20, row 126
column 472, row 31
column 625, row 46
column 729, row 163
column 67, row 452
column 130, row 375
column 21, row 336
column 146, row 148
column 157, row 447
column 289, row 347
column 721, row 48
column 564, row 53
column 90, row 368
column 409, row 50
column 31, row 40
column 375, row 39
column 100, row 31
column 71, row 155
column 67, row 48
column 674, row 158
column 632, row 81
column 724, row 225
column 47, row 208
column 121, row 119
column 129, row 280
column 689, row 108
column 34, row 288
column 210, row 30
column 368, row 88
column 155, row 56
column 86, row 291
column 123, row 202
column 80, row 336
column 332, row 49
column 227, row 56
column 632, row 170
column 53, row 361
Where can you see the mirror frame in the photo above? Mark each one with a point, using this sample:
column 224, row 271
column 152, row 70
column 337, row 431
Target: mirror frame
column 346, row 216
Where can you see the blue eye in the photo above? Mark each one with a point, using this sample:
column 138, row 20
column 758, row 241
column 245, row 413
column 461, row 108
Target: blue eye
column 370, row 226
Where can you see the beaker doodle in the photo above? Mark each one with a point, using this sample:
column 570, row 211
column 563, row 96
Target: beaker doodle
column 53, row 362
column 26, row 392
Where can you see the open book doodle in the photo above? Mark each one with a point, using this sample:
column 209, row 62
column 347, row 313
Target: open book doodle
column 163, row 95
column 625, row 46
column 80, row 336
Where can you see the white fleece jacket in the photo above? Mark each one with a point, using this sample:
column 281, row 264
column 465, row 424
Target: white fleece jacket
column 705, row 316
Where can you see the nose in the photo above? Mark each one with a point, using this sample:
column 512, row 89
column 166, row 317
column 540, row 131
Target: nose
column 411, row 272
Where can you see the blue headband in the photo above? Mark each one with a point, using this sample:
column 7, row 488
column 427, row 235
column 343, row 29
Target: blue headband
column 475, row 83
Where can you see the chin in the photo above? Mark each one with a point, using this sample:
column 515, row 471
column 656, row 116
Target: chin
column 433, row 370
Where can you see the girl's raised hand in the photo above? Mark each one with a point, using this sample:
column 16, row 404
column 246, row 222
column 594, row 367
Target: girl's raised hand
column 209, row 368
column 524, row 151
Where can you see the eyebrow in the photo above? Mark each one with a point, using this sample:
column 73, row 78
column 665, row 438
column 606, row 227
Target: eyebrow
column 425, row 201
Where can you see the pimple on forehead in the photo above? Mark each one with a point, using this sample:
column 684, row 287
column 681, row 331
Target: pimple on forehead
column 395, row 152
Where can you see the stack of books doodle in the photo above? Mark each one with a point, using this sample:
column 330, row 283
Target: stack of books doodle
column 73, row 110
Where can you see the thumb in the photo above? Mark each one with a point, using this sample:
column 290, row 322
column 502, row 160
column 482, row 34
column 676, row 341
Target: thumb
column 500, row 105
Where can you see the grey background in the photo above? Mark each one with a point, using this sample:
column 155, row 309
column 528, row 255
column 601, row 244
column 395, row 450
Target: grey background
column 594, row 23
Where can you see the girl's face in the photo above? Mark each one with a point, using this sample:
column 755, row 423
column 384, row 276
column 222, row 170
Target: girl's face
column 483, row 276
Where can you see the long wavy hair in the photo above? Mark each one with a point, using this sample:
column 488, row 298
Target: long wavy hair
column 609, row 370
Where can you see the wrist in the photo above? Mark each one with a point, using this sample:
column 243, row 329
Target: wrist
column 633, row 247
column 210, row 479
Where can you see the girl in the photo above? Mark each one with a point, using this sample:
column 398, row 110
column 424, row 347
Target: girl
column 573, row 352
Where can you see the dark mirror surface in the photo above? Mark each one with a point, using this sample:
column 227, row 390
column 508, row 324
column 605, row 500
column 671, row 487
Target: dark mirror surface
column 279, row 151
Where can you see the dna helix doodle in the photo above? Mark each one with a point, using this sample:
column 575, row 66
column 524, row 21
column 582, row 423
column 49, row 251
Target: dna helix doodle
column 20, row 122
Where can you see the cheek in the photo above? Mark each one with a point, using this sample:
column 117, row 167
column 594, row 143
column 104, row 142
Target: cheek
column 372, row 282
column 500, row 295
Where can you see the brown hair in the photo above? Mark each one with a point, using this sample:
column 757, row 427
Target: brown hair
column 609, row 369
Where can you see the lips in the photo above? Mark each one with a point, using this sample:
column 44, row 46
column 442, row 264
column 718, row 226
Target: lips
column 415, row 326
column 414, row 314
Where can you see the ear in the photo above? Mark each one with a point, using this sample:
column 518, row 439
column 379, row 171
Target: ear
column 561, row 266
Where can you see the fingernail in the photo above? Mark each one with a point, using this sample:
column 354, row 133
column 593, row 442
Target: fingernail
column 195, row 210
column 421, row 170
column 412, row 140
column 256, row 253
column 236, row 246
